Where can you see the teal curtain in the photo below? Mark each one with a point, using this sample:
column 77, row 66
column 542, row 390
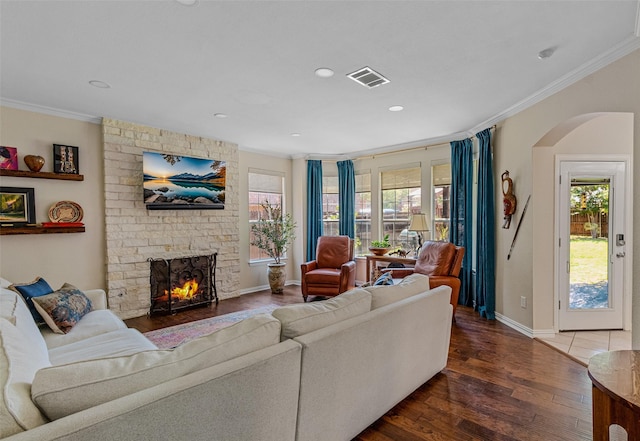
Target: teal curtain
column 485, row 283
column 347, row 198
column 461, row 223
column 314, row 206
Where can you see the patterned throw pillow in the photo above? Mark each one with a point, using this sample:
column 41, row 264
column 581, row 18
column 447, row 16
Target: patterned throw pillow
column 63, row 308
column 28, row 291
column 385, row 279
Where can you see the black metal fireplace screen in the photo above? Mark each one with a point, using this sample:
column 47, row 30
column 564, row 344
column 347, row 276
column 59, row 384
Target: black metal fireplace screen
column 183, row 282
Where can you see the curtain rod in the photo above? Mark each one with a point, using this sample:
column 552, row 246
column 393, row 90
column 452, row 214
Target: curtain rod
column 410, row 149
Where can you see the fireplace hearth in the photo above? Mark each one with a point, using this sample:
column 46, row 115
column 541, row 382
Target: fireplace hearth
column 183, row 282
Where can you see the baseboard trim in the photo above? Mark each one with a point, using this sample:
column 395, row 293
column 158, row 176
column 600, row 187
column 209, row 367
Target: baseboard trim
column 263, row 287
column 514, row 325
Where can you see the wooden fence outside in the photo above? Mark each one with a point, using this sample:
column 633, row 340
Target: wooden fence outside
column 579, row 220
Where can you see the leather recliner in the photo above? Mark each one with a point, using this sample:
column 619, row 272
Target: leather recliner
column 333, row 271
column 441, row 261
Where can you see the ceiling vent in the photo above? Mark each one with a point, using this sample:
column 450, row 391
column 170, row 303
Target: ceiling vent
column 368, row 77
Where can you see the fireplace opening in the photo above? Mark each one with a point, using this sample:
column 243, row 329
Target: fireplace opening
column 181, row 283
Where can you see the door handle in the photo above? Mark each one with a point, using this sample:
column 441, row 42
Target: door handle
column 622, row 254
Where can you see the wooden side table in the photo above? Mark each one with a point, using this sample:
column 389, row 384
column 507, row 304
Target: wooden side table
column 616, row 393
column 389, row 259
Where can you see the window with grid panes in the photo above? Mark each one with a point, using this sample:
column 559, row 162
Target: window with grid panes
column 363, row 213
column 441, row 177
column 263, row 187
column 401, row 197
column 330, row 203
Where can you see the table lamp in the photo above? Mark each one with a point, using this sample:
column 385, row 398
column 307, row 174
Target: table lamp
column 419, row 223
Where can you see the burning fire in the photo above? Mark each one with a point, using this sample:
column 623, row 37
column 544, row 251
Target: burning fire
column 185, row 292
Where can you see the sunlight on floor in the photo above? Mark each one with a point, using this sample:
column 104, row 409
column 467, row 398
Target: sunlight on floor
column 581, row 345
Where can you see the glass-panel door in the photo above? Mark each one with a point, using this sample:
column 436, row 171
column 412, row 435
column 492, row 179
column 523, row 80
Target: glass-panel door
column 591, row 245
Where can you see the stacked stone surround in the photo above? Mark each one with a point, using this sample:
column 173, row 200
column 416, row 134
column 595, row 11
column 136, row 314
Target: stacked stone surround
column 135, row 234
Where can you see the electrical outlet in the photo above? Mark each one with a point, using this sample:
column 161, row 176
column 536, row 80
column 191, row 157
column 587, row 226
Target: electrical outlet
column 523, row 302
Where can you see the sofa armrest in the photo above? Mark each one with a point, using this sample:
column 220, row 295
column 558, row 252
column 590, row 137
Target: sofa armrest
column 308, row 266
column 98, row 298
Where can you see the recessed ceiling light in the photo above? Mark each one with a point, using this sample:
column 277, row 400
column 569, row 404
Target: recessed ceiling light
column 396, row 108
column 295, row 134
column 546, row 53
column 324, row 72
column 220, row 115
column 188, row 2
column 100, row 84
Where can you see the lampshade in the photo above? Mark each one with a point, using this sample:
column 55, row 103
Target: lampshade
column 419, row 222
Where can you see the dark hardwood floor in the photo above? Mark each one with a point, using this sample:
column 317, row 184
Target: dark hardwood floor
column 498, row 384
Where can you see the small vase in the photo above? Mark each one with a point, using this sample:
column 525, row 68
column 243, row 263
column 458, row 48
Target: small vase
column 277, row 277
column 34, row 162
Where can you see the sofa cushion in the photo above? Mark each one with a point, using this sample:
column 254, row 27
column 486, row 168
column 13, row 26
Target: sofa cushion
column 94, row 323
column 63, row 308
column 18, row 365
column 39, row 287
column 21, row 317
column 111, row 344
column 4, row 283
column 409, row 286
column 70, row 388
column 8, row 303
column 303, row 318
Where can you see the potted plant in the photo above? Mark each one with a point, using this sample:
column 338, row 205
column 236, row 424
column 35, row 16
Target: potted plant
column 274, row 233
column 380, row 247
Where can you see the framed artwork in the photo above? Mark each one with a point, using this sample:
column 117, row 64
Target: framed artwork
column 65, row 159
column 17, row 206
column 8, row 158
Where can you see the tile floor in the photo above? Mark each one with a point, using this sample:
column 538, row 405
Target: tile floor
column 581, row 345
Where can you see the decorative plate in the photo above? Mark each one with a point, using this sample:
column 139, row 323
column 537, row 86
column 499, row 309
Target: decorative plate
column 65, row 211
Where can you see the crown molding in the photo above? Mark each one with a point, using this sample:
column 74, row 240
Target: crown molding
column 622, row 49
column 50, row 111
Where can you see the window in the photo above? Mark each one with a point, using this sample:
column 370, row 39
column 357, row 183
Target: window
column 441, row 188
column 401, row 197
column 363, row 213
column 330, row 202
column 263, row 187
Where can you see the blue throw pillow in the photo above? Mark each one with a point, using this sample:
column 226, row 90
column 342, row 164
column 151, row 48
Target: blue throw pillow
column 37, row 288
column 385, row 279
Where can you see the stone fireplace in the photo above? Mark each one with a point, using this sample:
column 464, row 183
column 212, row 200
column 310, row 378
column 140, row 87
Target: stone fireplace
column 182, row 282
column 134, row 235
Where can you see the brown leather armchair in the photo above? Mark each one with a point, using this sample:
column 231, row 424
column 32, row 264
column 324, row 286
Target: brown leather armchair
column 333, row 271
column 441, row 261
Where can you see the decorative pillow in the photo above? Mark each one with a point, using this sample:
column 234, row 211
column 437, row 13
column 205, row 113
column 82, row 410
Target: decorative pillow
column 385, row 279
column 382, row 295
column 306, row 317
column 28, row 291
column 63, row 308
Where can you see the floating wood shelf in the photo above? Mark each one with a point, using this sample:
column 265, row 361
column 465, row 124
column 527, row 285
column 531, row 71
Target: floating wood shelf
column 41, row 175
column 40, row 230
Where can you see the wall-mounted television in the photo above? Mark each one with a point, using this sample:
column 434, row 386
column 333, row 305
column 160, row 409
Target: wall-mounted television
column 175, row 182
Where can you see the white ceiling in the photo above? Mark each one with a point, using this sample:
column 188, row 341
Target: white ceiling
column 456, row 66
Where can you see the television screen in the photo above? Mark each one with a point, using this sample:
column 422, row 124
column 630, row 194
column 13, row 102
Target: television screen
column 174, row 182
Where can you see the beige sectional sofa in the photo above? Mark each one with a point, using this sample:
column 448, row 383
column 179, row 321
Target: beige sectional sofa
column 315, row 371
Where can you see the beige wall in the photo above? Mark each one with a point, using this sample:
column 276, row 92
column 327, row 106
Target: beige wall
column 254, row 275
column 615, row 88
column 77, row 258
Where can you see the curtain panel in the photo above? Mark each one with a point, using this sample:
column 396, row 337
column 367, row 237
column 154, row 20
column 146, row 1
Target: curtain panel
column 347, row 198
column 460, row 231
column 314, row 206
column 485, row 283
